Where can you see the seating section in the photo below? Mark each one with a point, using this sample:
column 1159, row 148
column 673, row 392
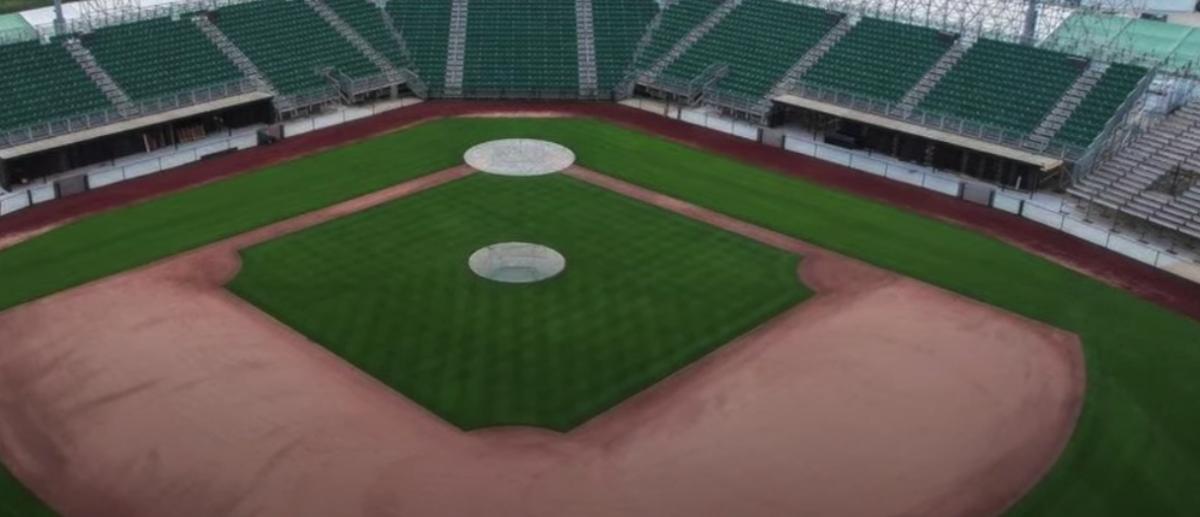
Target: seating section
column 760, row 40
column 619, row 25
column 426, row 29
column 1003, row 84
column 1101, row 103
column 366, row 18
column 289, row 42
column 677, row 21
column 879, row 59
column 43, row 83
column 521, row 45
column 153, row 58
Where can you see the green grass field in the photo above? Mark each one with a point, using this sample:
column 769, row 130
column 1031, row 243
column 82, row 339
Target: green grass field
column 644, row 293
column 1136, row 450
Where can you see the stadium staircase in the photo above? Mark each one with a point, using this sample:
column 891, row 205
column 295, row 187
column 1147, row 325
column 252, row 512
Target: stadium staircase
column 385, row 66
column 585, row 32
column 1070, row 101
column 981, row 86
column 682, row 24
column 1131, row 181
column 162, row 57
column 620, row 27
column 1114, row 90
column 456, row 48
column 935, row 74
column 98, row 75
column 755, row 44
column 796, row 73
column 235, row 55
column 308, row 61
column 42, row 83
column 425, row 29
column 879, row 60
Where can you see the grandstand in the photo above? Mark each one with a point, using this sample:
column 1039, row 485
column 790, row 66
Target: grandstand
column 1019, row 105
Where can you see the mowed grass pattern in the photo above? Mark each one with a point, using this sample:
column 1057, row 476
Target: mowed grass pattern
column 1136, row 448
column 645, row 293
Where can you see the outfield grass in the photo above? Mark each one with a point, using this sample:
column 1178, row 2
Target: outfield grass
column 645, row 292
column 1136, row 450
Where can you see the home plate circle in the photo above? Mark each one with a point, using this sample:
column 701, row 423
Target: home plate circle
column 519, row 157
column 517, row 262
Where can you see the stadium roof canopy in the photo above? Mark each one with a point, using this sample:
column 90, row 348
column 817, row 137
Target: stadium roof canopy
column 1174, row 48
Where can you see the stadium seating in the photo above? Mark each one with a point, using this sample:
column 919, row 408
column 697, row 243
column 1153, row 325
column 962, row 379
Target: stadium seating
column 426, row 29
column 678, row 20
column 1101, row 103
column 43, row 82
column 366, row 18
column 289, row 42
column 619, row 25
column 521, row 45
column 879, row 59
column 760, row 40
column 158, row 57
column 1005, row 85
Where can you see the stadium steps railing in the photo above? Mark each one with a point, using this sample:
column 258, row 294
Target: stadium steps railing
column 935, row 74
column 346, row 31
column 698, row 32
column 456, row 48
column 1067, row 104
column 113, row 91
column 235, row 55
column 585, row 33
column 810, row 58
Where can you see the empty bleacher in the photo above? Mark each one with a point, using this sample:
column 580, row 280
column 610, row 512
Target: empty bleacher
column 1089, row 119
column 759, row 41
column 879, row 59
column 42, row 82
column 521, row 46
column 159, row 57
column 290, row 43
column 676, row 22
column 366, row 18
column 426, row 29
column 619, row 24
column 1131, row 181
column 1005, row 85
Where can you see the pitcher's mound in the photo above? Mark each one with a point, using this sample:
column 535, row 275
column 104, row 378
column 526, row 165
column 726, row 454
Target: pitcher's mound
column 519, row 157
column 517, row 262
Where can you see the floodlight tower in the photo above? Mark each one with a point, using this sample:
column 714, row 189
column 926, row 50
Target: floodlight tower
column 1029, row 33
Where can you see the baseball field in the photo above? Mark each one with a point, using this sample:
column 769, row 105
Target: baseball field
column 724, row 339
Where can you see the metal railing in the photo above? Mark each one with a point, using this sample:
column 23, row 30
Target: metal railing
column 938, row 121
column 1108, row 141
column 112, row 115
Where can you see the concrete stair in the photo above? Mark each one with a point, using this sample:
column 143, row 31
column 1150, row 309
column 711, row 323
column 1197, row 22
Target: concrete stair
column 98, row 75
column 456, row 48
column 1067, row 104
column 810, row 58
column 930, row 80
column 585, row 31
column 690, row 39
column 385, row 66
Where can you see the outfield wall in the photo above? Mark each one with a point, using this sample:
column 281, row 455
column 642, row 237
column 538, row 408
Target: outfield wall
column 1045, row 209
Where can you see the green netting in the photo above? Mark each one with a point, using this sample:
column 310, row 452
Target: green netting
column 1176, row 47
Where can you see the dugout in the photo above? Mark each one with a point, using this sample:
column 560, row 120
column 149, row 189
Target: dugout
column 29, row 162
column 941, row 150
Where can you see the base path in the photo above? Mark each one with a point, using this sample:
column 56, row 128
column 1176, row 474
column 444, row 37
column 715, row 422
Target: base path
column 157, row 392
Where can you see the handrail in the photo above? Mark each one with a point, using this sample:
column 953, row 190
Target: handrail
column 1105, row 141
column 111, row 115
column 937, row 121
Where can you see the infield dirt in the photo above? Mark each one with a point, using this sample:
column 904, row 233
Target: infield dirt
column 157, row 392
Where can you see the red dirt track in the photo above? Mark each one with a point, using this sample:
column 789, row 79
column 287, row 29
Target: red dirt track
column 1147, row 282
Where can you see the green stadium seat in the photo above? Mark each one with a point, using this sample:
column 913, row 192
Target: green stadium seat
column 42, row 82
column 879, row 59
